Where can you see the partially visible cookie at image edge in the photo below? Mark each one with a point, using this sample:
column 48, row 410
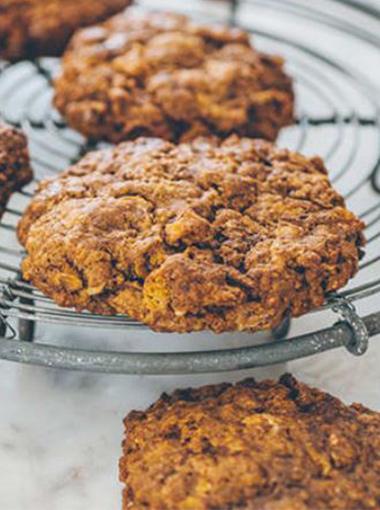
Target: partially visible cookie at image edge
column 15, row 170
column 34, row 28
column 251, row 446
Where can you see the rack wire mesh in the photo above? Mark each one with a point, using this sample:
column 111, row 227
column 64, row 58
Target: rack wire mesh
column 338, row 117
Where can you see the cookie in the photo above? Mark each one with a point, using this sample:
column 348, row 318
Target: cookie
column 33, row 28
column 252, row 446
column 15, row 171
column 162, row 75
column 204, row 235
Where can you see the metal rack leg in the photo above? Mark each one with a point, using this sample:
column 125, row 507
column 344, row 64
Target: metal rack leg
column 3, row 328
column 282, row 330
column 26, row 328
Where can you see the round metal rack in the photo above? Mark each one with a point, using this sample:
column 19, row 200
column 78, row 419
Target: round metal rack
column 338, row 117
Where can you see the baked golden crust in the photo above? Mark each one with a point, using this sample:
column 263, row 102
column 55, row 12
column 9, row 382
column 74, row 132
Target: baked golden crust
column 33, row 28
column 159, row 74
column 253, row 446
column 15, row 171
column 207, row 235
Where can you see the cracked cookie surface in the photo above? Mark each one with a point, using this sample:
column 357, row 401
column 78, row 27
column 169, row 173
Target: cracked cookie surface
column 205, row 235
column 160, row 74
column 252, row 446
column 33, row 28
column 15, row 170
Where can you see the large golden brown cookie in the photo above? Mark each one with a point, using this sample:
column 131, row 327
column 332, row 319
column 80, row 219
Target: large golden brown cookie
column 15, row 169
column 208, row 235
column 253, row 446
column 163, row 75
column 32, row 28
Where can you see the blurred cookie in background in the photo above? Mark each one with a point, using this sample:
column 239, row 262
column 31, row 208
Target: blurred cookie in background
column 161, row 74
column 33, row 28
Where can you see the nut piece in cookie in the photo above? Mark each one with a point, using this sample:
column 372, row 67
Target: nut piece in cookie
column 255, row 445
column 204, row 235
column 160, row 74
column 33, row 28
column 15, row 171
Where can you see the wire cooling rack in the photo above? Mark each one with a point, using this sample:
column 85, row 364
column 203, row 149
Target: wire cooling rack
column 338, row 117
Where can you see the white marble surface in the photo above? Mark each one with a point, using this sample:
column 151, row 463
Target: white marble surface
column 60, row 432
